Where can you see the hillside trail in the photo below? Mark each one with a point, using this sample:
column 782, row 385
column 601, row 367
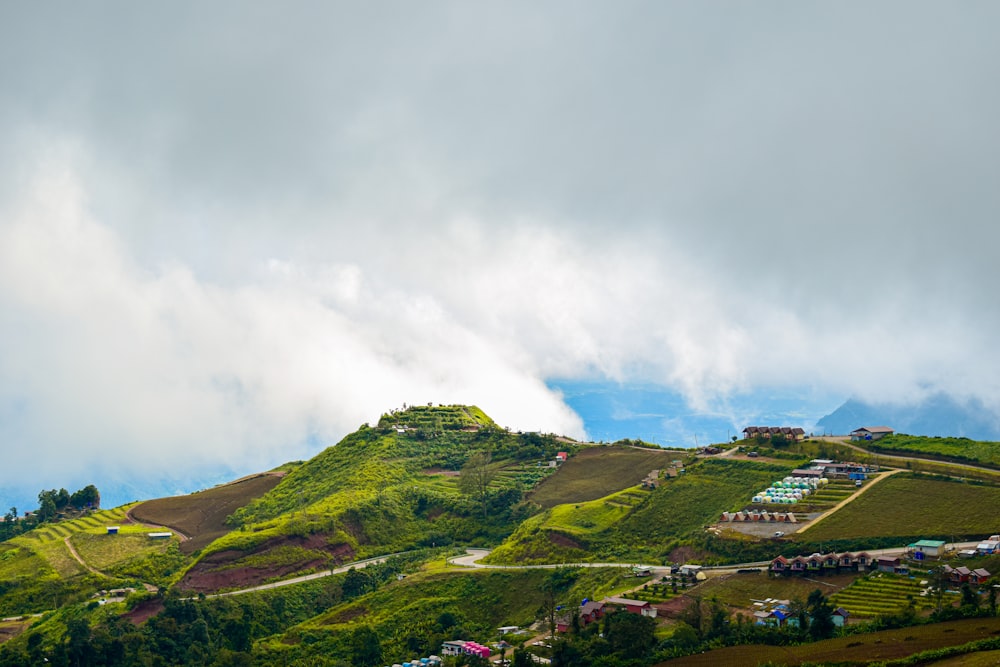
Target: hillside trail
column 85, row 564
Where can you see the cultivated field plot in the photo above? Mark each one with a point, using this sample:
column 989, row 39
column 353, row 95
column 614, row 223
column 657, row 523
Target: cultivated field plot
column 106, row 551
column 739, row 590
column 908, row 506
column 883, row 593
column 594, row 516
column 595, row 472
column 886, row 645
column 202, row 516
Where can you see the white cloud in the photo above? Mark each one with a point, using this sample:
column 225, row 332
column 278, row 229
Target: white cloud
column 224, row 232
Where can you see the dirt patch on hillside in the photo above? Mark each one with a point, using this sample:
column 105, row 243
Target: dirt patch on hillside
column 144, row 611
column 673, row 607
column 442, row 471
column 202, row 516
column 564, row 541
column 684, row 554
column 222, row 570
column 11, row 629
column 347, row 615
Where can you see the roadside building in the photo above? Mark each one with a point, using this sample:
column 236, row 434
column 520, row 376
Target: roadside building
column 924, row 548
column 640, row 607
column 871, row 433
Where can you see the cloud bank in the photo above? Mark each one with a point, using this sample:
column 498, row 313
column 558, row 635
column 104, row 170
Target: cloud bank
column 239, row 231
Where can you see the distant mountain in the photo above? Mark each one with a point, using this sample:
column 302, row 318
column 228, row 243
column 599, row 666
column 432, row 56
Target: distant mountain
column 939, row 414
column 657, row 414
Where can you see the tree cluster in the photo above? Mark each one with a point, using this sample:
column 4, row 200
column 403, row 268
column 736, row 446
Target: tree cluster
column 51, row 503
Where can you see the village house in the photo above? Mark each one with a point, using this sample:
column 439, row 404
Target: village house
column 963, row 575
column 819, row 562
column 462, row 647
column 789, row 432
column 640, row 607
column 590, row 611
column 889, row 564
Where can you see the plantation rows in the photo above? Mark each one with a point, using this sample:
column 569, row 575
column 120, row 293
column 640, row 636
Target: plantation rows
column 881, row 594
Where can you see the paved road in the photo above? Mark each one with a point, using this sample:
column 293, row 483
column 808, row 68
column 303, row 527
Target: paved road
column 358, row 565
column 845, row 440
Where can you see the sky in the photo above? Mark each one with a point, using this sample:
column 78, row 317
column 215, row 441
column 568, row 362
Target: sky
column 232, row 232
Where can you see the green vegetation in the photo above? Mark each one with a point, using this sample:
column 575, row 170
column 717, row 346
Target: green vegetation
column 881, row 593
column 595, row 472
column 913, row 505
column 852, row 649
column 948, row 449
column 427, row 479
column 639, row 525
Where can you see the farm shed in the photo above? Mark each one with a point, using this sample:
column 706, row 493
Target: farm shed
column 112, row 530
column 640, row 607
column 160, row 536
column 887, row 564
column 871, row 433
column 933, row 548
column 840, row 617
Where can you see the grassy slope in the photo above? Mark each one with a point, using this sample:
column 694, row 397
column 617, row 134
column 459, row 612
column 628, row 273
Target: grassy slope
column 739, row 589
column 377, row 491
column 647, row 529
column 957, row 449
column 909, row 506
column 480, row 601
column 595, row 472
column 856, row 649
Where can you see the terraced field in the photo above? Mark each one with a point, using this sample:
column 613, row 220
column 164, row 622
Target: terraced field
column 882, row 593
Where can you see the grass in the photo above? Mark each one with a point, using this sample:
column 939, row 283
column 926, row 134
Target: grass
column 853, row 649
column 479, row 601
column 953, row 449
column 642, row 528
column 904, row 505
column 595, row 516
column 738, row 590
column 596, row 472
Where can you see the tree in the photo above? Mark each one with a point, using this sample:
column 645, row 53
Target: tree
column 821, row 623
column 46, row 505
column 366, row 650
column 475, row 477
column 631, row 635
column 87, row 496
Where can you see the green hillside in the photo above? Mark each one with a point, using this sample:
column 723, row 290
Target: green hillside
column 425, row 483
column 637, row 524
column 914, row 505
